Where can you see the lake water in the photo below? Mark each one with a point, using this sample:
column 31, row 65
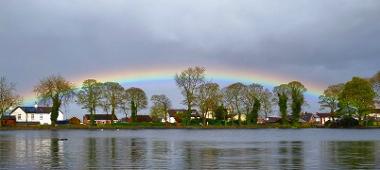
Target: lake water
column 191, row 149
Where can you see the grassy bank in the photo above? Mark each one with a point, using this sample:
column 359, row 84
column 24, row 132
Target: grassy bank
column 164, row 126
column 151, row 126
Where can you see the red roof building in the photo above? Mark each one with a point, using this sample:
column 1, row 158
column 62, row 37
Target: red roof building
column 100, row 119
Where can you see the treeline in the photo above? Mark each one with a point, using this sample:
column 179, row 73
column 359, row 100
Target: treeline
column 354, row 99
column 241, row 99
column 111, row 97
column 352, row 102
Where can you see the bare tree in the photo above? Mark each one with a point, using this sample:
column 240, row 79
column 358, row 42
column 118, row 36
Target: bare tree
column 208, row 97
column 8, row 96
column 188, row 80
column 161, row 105
column 234, row 98
column 267, row 99
column 89, row 96
column 112, row 97
column 54, row 90
column 136, row 98
column 254, row 97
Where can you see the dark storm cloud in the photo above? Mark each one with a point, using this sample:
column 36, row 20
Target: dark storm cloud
column 318, row 41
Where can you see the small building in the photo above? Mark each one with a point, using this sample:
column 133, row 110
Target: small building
column 209, row 115
column 143, row 118
column 63, row 122
column 272, row 120
column 195, row 115
column 100, row 119
column 309, row 117
column 323, row 117
column 8, row 121
column 34, row 115
column 279, row 119
column 260, row 120
column 375, row 115
column 139, row 118
column 243, row 117
column 175, row 115
column 74, row 121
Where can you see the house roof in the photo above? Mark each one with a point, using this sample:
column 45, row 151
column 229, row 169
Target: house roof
column 308, row 116
column 273, row 119
column 377, row 104
column 46, row 110
column 322, row 115
column 143, row 117
column 140, row 118
column 101, row 117
column 231, row 115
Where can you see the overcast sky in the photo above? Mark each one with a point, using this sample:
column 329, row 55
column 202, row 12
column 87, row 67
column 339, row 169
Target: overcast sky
column 324, row 41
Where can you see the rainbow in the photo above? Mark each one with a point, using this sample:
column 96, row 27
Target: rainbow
column 214, row 74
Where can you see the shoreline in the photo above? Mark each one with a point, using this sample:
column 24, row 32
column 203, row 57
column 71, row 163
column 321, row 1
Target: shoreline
column 162, row 128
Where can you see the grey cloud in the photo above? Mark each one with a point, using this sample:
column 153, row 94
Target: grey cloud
column 317, row 41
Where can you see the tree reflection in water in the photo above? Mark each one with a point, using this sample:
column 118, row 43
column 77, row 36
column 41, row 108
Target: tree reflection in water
column 158, row 154
column 297, row 154
column 54, row 153
column 160, row 151
column 91, row 152
column 351, row 154
column 7, row 151
column 230, row 155
column 139, row 150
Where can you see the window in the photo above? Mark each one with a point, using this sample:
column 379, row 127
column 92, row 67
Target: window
column 19, row 116
column 41, row 117
column 32, row 116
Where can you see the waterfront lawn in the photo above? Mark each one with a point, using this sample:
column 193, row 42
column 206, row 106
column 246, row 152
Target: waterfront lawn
column 195, row 124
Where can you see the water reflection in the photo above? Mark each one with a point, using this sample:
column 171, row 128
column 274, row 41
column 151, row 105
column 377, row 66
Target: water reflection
column 116, row 153
column 7, row 145
column 90, row 144
column 45, row 151
column 291, row 154
column 137, row 152
column 257, row 155
column 160, row 154
column 54, row 153
column 351, row 154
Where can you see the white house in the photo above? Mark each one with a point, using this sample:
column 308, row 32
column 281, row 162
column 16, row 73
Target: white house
column 376, row 112
column 174, row 113
column 32, row 115
column 323, row 117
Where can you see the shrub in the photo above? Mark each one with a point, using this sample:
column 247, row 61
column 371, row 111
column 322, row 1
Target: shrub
column 196, row 122
column 216, row 122
column 74, row 121
column 345, row 122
